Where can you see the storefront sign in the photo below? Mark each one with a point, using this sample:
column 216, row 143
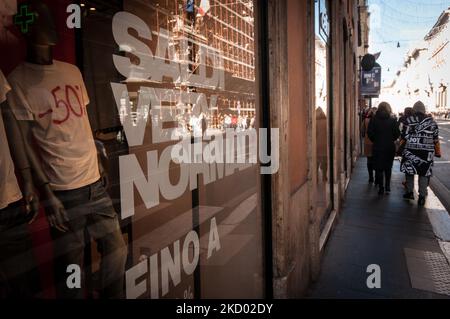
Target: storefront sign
column 168, row 268
column 371, row 82
column 324, row 21
column 200, row 158
column 229, row 152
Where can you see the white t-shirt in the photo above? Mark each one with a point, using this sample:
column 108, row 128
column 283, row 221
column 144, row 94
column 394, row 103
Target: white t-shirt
column 9, row 189
column 54, row 98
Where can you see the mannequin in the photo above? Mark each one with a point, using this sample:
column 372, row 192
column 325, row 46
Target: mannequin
column 50, row 101
column 40, row 41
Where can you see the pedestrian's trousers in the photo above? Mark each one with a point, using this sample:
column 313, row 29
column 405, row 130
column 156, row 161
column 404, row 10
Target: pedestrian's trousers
column 383, row 177
column 423, row 184
column 90, row 209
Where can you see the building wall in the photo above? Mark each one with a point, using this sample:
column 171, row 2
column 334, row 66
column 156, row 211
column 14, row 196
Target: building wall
column 297, row 238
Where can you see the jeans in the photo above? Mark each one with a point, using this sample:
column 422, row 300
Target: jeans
column 423, row 184
column 19, row 277
column 90, row 209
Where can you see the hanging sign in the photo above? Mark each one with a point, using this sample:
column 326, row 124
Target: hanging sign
column 371, row 82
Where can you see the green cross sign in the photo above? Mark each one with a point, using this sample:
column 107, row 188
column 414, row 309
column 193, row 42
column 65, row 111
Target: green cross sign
column 24, row 18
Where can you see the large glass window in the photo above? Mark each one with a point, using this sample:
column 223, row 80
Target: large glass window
column 168, row 90
column 323, row 108
column 173, row 73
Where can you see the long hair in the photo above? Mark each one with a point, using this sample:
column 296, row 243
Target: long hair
column 384, row 108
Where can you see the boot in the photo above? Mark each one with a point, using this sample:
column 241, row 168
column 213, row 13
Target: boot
column 377, row 181
column 371, row 178
column 388, row 189
column 422, row 201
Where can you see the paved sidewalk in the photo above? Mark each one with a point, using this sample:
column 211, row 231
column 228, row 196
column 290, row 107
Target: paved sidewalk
column 395, row 234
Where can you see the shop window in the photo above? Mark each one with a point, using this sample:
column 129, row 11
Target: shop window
column 323, row 109
column 172, row 94
column 194, row 236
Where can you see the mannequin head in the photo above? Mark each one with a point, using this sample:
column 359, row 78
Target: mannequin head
column 36, row 22
column 42, row 31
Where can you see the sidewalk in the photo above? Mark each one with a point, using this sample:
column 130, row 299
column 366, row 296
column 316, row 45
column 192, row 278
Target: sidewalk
column 395, row 234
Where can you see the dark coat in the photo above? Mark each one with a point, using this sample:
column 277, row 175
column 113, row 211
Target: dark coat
column 383, row 132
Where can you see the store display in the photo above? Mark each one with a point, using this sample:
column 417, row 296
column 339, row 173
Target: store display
column 142, row 76
column 17, row 264
column 49, row 99
column 9, row 189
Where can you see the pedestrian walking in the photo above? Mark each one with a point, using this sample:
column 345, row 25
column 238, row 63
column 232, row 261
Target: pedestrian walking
column 383, row 132
column 421, row 139
column 368, row 145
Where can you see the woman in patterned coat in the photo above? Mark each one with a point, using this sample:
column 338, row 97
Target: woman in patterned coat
column 420, row 136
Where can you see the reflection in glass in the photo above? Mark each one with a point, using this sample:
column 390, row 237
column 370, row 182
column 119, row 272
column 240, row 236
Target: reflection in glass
column 322, row 109
column 212, row 47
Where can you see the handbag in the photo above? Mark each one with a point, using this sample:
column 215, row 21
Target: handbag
column 437, row 149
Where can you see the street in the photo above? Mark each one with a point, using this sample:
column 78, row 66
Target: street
column 441, row 180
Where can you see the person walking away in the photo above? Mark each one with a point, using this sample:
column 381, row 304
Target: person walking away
column 421, row 139
column 368, row 145
column 383, row 132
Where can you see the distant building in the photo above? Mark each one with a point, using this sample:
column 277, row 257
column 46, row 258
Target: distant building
column 425, row 74
column 363, row 41
column 364, row 27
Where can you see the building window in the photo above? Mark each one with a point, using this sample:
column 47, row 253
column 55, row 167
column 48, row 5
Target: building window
column 323, row 109
column 442, row 98
column 206, row 240
column 158, row 72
